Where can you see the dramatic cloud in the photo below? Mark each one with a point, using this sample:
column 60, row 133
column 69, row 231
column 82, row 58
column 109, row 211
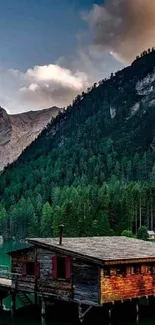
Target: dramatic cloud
column 40, row 87
column 123, row 27
column 54, row 84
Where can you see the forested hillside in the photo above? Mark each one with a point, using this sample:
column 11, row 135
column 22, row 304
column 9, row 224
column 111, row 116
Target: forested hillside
column 93, row 167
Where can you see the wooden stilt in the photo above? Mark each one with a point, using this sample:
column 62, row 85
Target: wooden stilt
column 82, row 313
column 1, row 303
column 43, row 311
column 13, row 303
column 35, row 299
column 81, row 319
column 109, row 311
column 137, row 312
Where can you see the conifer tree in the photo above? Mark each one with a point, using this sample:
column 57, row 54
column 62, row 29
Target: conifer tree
column 46, row 220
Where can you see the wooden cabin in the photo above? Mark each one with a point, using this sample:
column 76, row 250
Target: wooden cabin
column 151, row 235
column 91, row 271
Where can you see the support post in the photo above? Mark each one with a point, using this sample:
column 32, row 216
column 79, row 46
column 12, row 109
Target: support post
column 82, row 313
column 1, row 303
column 109, row 312
column 81, row 319
column 35, row 299
column 43, row 311
column 137, row 312
column 13, row 303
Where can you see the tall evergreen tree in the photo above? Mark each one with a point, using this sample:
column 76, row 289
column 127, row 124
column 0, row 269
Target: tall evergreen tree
column 46, row 220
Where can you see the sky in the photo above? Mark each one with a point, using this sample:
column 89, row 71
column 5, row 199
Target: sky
column 37, row 32
column 52, row 50
column 44, row 37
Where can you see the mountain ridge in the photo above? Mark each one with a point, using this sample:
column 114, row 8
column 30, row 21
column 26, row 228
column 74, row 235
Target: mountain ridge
column 144, row 78
column 19, row 130
column 93, row 167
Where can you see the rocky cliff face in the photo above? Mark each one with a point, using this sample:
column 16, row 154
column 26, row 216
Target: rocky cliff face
column 18, row 131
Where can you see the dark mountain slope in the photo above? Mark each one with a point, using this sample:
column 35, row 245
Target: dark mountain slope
column 116, row 105
column 92, row 167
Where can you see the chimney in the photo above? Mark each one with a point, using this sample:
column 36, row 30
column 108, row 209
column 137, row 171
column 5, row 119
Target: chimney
column 61, row 228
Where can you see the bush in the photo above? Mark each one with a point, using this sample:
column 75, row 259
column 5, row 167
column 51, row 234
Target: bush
column 127, row 233
column 142, row 233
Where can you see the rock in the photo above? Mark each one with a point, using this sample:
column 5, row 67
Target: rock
column 18, row 131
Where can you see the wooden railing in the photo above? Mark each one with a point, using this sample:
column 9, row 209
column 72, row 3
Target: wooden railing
column 6, row 274
column 4, row 268
column 4, row 271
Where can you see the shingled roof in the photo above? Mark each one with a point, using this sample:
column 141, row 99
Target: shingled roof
column 101, row 249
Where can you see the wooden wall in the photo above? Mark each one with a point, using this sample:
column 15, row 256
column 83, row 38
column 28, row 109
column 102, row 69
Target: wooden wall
column 46, row 283
column 86, row 282
column 117, row 287
column 22, row 282
column 83, row 285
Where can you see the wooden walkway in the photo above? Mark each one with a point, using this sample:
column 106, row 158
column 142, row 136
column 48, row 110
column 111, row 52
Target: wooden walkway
column 5, row 283
column 5, row 278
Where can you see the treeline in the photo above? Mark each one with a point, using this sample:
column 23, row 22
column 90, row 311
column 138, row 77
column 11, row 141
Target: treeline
column 88, row 210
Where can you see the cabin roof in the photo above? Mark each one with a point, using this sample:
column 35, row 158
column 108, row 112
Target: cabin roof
column 100, row 249
column 151, row 232
column 24, row 250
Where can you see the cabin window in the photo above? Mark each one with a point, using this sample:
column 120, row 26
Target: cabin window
column 106, row 271
column 30, row 268
column 150, row 269
column 136, row 269
column 61, row 267
column 121, row 270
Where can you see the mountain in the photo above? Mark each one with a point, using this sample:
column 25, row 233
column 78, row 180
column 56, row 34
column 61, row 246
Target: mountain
column 93, row 167
column 18, row 131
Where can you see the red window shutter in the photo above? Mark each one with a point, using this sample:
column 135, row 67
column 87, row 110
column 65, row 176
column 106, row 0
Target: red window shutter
column 68, row 267
column 54, row 267
column 37, row 270
column 24, row 272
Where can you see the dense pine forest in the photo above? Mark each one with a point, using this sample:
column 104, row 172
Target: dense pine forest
column 93, row 167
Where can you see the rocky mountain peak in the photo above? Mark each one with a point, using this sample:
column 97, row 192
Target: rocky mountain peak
column 19, row 130
column 5, row 127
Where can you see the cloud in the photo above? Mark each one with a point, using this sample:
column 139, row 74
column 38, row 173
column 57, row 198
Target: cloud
column 96, row 65
column 57, row 74
column 117, row 32
column 40, row 87
column 58, row 83
column 123, row 27
column 54, row 84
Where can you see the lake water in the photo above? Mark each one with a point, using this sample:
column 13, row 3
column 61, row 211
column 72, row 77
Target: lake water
column 5, row 318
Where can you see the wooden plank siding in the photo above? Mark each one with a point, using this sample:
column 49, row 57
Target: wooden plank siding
column 126, row 286
column 46, row 283
column 86, row 282
column 83, row 285
column 22, row 282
